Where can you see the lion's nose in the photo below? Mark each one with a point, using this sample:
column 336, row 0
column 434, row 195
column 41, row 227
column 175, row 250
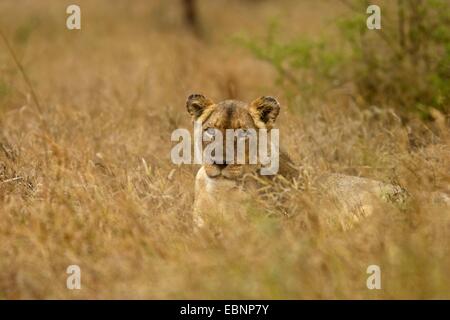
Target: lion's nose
column 221, row 165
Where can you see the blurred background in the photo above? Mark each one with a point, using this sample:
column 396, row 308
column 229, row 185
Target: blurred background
column 85, row 123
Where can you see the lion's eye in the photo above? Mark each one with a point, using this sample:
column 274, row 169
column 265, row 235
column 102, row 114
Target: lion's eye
column 210, row 132
column 243, row 133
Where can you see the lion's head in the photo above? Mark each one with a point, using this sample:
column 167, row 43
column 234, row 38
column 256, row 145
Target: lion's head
column 243, row 118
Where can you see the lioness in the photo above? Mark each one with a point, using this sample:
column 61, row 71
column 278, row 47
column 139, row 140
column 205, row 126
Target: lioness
column 221, row 187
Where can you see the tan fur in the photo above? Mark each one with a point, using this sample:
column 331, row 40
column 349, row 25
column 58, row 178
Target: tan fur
column 217, row 196
column 222, row 190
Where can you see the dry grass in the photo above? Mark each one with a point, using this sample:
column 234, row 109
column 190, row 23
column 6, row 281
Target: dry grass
column 96, row 187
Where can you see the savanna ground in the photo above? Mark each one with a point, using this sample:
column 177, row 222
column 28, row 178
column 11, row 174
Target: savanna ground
column 86, row 176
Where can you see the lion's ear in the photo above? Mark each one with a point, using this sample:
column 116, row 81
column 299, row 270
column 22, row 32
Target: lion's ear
column 264, row 111
column 196, row 104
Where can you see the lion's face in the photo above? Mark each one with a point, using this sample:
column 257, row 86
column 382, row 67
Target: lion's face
column 244, row 118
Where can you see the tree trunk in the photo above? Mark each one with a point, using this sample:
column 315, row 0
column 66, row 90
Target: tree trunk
column 191, row 16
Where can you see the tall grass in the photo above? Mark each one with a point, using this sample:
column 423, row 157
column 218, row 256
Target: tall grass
column 105, row 196
column 405, row 65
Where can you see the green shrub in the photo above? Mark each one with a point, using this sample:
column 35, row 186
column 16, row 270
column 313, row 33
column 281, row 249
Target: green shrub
column 306, row 65
column 405, row 65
